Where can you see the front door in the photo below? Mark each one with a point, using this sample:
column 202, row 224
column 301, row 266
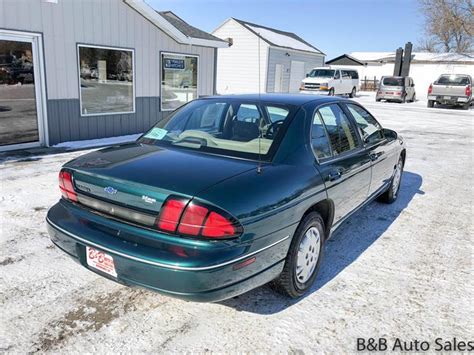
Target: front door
column 344, row 165
column 21, row 105
column 297, row 75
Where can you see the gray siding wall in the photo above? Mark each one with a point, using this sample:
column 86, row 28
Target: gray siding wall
column 103, row 23
column 278, row 56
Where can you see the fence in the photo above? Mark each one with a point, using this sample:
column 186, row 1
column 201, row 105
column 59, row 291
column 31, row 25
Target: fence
column 369, row 84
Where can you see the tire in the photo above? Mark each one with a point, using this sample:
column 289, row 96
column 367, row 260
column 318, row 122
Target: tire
column 413, row 99
column 331, row 92
column 353, row 93
column 404, row 99
column 430, row 103
column 466, row 106
column 390, row 196
column 303, row 248
column 377, row 100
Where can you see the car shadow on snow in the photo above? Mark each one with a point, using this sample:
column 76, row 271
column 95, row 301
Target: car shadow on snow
column 355, row 236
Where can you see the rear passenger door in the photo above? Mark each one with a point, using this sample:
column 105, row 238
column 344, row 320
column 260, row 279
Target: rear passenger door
column 383, row 153
column 343, row 163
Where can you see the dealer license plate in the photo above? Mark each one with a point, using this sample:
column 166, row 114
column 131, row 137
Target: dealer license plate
column 100, row 261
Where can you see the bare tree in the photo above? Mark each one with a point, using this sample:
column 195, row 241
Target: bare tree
column 449, row 25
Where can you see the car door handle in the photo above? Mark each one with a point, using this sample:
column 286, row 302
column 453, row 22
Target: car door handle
column 335, row 175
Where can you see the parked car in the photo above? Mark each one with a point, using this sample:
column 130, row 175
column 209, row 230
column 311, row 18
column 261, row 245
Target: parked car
column 451, row 89
column 226, row 194
column 328, row 81
column 396, row 88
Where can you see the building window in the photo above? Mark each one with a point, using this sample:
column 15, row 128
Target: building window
column 106, row 80
column 179, row 80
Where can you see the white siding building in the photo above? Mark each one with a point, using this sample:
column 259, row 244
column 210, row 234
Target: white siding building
column 262, row 59
column 424, row 69
column 77, row 69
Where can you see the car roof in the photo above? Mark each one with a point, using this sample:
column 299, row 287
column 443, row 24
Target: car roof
column 288, row 99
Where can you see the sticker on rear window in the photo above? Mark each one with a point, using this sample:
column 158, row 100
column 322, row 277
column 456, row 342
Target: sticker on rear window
column 156, row 133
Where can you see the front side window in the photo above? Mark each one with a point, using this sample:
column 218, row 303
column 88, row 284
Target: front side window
column 179, row 80
column 337, row 75
column 342, row 135
column 106, row 80
column 371, row 130
column 227, row 127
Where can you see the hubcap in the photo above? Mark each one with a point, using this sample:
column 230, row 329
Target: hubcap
column 396, row 178
column 308, row 255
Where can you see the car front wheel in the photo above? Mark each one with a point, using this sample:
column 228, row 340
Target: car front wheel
column 304, row 257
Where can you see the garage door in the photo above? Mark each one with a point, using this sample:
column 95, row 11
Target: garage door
column 296, row 75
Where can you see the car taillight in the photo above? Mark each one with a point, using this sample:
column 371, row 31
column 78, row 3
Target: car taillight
column 430, row 89
column 468, row 90
column 66, row 186
column 196, row 219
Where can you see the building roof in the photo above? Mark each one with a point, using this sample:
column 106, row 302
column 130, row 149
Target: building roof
column 344, row 59
column 186, row 28
column 175, row 27
column 277, row 38
column 367, row 57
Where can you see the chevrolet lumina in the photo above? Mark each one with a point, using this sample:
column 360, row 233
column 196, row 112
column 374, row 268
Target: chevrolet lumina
column 226, row 194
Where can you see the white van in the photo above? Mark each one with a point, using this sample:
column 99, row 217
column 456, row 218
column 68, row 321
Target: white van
column 331, row 81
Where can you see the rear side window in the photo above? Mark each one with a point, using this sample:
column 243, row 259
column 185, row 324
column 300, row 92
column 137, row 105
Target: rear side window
column 319, row 138
column 341, row 133
column 371, row 130
column 354, row 74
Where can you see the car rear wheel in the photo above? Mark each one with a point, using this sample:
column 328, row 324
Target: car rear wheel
column 391, row 194
column 430, row 103
column 466, row 106
column 304, row 257
column 353, row 93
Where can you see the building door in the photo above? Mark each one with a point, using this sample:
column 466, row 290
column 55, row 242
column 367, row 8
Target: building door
column 21, row 91
column 296, row 75
column 278, row 78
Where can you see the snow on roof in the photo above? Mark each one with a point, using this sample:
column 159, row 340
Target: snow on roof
column 416, row 57
column 280, row 38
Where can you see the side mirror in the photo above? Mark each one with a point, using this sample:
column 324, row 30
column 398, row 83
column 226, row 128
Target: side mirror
column 389, row 134
column 307, row 75
column 413, row 85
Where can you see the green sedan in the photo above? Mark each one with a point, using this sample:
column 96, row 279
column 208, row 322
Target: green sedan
column 226, row 194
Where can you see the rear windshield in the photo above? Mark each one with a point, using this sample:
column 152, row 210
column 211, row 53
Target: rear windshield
column 321, row 73
column 226, row 127
column 393, row 81
column 453, row 80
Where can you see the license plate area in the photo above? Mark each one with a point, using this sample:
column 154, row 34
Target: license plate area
column 447, row 97
column 101, row 261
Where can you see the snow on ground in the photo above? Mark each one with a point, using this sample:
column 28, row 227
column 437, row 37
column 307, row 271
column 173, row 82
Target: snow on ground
column 402, row 270
column 91, row 143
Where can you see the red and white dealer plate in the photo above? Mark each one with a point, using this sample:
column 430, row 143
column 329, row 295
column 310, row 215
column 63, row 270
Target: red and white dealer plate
column 100, row 261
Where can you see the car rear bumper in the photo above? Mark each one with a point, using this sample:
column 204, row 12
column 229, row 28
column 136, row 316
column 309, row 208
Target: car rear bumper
column 449, row 99
column 389, row 97
column 190, row 277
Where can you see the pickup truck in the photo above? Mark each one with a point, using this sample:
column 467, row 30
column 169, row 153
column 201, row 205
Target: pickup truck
column 451, row 89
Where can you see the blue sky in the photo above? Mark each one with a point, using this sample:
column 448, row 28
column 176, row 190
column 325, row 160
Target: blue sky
column 335, row 27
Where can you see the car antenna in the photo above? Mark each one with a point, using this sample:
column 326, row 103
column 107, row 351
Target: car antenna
column 259, row 167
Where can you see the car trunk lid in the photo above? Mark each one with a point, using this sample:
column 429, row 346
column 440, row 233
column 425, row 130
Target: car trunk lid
column 141, row 177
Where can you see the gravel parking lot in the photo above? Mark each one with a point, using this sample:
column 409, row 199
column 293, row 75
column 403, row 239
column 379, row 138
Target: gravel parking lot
column 402, row 270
